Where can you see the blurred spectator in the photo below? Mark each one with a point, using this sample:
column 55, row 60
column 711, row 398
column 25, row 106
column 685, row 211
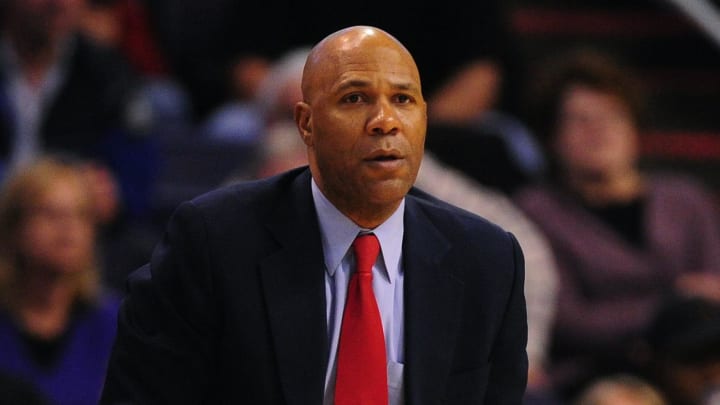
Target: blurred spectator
column 238, row 119
column 624, row 238
column 123, row 25
column 207, row 42
column 246, row 119
column 684, row 341
column 621, row 389
column 278, row 93
column 280, row 146
column 56, row 322
column 60, row 91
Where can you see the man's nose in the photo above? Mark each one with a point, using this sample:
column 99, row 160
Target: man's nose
column 384, row 119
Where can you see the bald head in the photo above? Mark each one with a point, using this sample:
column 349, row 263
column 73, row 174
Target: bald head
column 340, row 47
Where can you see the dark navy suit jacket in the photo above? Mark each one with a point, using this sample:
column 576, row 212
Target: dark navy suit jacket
column 231, row 309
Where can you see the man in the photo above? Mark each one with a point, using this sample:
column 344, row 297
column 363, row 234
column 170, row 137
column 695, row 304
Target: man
column 243, row 301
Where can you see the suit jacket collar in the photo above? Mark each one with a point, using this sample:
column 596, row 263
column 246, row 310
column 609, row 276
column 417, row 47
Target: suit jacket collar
column 294, row 286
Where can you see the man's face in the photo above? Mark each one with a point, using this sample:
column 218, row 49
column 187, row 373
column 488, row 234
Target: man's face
column 366, row 123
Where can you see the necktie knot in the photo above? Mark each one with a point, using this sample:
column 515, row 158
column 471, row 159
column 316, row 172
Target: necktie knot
column 366, row 248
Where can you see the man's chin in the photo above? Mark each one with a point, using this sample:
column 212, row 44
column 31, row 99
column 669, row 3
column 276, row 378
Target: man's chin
column 390, row 191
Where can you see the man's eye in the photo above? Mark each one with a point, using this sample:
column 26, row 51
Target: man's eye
column 353, row 98
column 403, row 98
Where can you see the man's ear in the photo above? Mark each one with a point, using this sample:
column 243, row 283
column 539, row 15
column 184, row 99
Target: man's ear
column 303, row 120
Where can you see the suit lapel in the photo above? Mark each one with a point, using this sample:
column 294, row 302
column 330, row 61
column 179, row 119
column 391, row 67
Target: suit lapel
column 432, row 307
column 294, row 287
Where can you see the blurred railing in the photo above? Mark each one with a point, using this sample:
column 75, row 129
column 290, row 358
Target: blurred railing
column 704, row 14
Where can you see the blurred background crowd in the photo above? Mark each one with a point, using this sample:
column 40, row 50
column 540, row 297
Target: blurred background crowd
column 590, row 130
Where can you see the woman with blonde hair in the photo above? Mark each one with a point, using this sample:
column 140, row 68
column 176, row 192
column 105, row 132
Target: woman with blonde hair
column 56, row 323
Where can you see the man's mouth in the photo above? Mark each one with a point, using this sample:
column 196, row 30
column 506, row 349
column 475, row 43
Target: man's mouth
column 384, row 156
column 385, row 160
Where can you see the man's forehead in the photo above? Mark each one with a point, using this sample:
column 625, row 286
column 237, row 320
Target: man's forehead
column 360, row 50
column 386, row 60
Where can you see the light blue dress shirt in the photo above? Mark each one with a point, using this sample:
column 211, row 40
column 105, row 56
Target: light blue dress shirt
column 338, row 232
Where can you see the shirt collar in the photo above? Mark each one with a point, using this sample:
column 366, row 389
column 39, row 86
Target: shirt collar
column 338, row 232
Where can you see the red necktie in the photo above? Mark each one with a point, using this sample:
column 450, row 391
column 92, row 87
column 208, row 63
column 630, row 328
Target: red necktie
column 362, row 364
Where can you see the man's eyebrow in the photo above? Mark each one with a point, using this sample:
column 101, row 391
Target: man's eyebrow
column 405, row 86
column 358, row 83
column 353, row 83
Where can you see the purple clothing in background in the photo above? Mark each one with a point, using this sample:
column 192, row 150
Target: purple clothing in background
column 78, row 375
column 609, row 288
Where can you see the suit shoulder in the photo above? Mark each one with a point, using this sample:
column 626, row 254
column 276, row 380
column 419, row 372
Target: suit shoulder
column 445, row 214
column 245, row 198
